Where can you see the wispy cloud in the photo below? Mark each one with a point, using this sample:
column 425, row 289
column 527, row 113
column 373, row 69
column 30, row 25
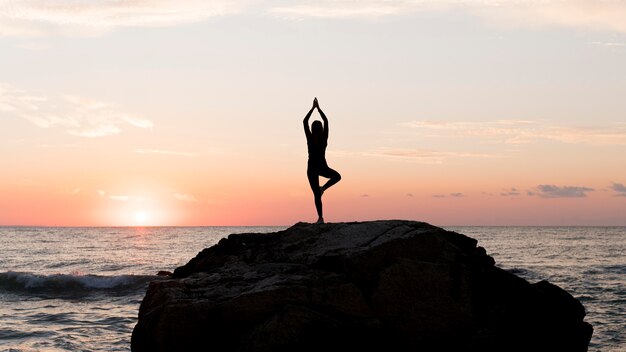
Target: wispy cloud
column 32, row 46
column 185, row 197
column 619, row 189
column 119, row 197
column 453, row 195
column 610, row 44
column 164, row 152
column 552, row 191
column 607, row 15
column 80, row 18
column 97, row 17
column 78, row 116
column 511, row 192
column 204, row 152
column 591, row 14
column 413, row 155
column 423, row 156
column 521, row 131
column 342, row 9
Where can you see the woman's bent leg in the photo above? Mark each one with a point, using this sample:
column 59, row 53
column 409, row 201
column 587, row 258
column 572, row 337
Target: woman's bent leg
column 333, row 176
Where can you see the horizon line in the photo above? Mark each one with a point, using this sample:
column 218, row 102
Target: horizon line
column 286, row 226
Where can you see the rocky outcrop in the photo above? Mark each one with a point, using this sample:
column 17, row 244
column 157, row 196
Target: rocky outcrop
column 381, row 285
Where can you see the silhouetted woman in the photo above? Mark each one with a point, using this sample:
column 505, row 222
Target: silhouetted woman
column 317, row 140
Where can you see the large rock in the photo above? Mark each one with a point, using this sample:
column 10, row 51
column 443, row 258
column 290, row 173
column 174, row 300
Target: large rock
column 381, row 285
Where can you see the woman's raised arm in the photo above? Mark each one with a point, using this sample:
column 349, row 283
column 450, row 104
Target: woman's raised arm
column 323, row 118
column 305, row 122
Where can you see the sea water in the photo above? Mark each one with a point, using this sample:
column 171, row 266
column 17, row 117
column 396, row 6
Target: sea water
column 79, row 289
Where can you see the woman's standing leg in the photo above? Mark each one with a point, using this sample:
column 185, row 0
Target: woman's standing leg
column 314, row 182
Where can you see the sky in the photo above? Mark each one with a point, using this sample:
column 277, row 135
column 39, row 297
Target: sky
column 454, row 112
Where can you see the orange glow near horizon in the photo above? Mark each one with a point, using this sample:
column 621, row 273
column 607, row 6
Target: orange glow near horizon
column 179, row 191
column 285, row 206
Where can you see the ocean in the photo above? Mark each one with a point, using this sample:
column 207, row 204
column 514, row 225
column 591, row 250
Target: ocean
column 79, row 289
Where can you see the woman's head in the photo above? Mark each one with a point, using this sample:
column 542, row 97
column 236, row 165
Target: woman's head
column 317, row 128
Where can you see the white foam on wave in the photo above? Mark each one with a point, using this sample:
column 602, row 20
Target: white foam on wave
column 13, row 280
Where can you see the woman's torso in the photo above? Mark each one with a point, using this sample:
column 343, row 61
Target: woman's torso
column 317, row 151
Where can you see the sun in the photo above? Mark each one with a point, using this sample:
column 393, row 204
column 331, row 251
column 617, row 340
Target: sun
column 141, row 217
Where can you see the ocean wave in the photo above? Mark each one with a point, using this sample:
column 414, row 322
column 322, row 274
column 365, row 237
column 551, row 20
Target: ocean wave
column 71, row 284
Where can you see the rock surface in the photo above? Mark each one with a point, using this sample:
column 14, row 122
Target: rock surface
column 381, row 285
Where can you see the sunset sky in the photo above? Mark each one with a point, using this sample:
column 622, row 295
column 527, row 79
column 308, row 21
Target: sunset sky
column 188, row 112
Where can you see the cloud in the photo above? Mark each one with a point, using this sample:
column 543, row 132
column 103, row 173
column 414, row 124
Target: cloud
column 164, row 152
column 185, row 197
column 610, row 44
column 32, row 46
column 438, row 196
column 552, row 191
column 342, row 9
column 98, row 17
column 457, row 195
column 119, row 198
column 424, row 156
column 521, row 131
column 78, row 116
column 410, row 195
column 619, row 188
column 411, row 155
column 512, row 192
column 605, row 15
column 81, row 18
column 590, row 14
column 364, row 195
